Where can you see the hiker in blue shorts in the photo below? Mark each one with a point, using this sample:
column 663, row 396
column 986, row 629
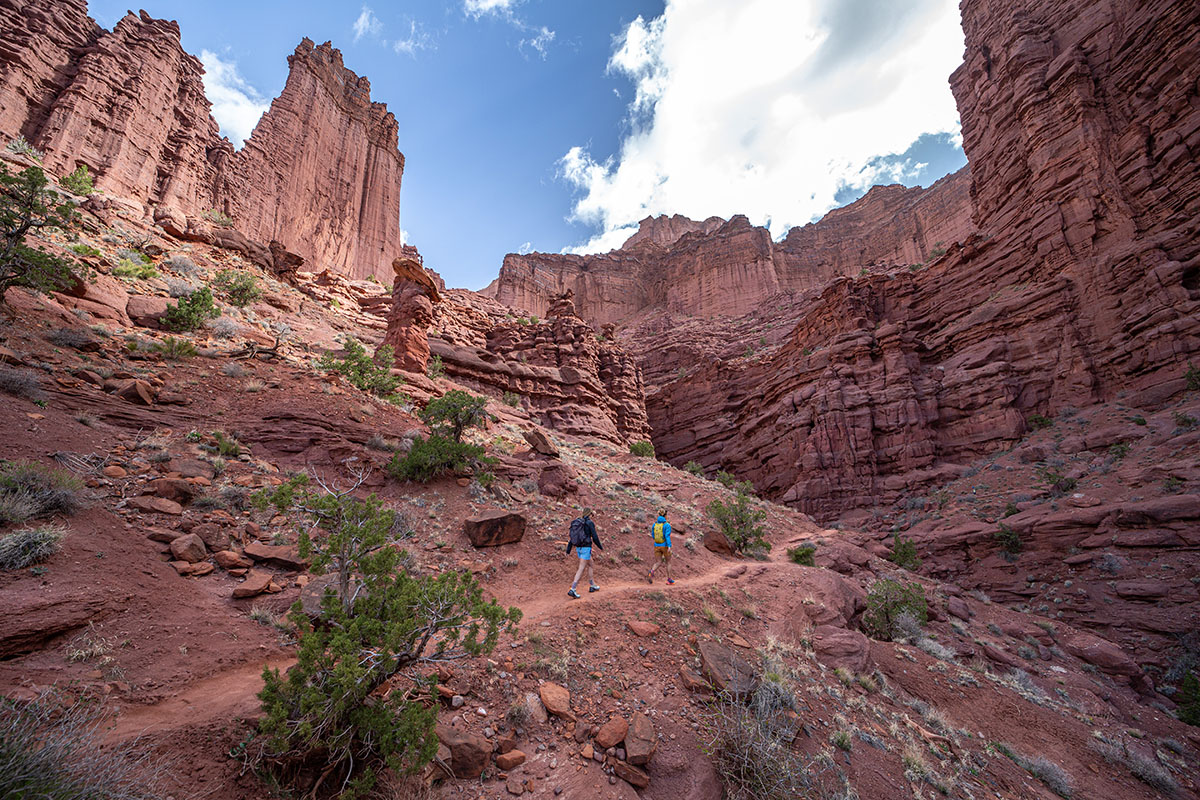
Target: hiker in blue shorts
column 582, row 537
column 660, row 534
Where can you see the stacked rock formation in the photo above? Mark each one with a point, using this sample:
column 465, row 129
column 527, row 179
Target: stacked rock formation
column 716, row 268
column 567, row 377
column 1080, row 125
column 320, row 175
column 413, row 294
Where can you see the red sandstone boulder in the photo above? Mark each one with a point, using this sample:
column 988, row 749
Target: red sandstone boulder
column 469, row 753
column 495, row 528
column 839, row 647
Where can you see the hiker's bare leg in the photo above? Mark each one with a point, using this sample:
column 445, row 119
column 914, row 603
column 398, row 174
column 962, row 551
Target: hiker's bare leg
column 591, row 574
column 667, row 561
column 579, row 572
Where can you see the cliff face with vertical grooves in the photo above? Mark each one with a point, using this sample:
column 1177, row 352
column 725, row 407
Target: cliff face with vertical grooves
column 727, row 268
column 1082, row 126
column 321, row 174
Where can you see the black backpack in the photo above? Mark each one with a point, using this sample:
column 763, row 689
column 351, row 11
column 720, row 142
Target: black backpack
column 579, row 533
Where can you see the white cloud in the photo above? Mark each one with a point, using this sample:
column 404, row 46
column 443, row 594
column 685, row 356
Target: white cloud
column 367, row 24
column 767, row 108
column 525, row 248
column 480, row 8
column 236, row 105
column 540, row 41
column 418, row 39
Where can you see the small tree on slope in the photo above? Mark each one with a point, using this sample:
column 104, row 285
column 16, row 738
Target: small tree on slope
column 380, row 625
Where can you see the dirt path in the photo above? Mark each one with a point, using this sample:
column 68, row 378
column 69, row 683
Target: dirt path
column 233, row 693
column 225, row 695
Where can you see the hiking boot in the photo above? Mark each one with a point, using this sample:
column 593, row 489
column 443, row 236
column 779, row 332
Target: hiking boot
column 573, row 593
column 670, row 580
column 593, row 588
column 650, row 577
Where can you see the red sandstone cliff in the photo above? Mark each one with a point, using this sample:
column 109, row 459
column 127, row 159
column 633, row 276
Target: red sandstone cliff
column 1081, row 126
column 321, row 174
column 716, row 268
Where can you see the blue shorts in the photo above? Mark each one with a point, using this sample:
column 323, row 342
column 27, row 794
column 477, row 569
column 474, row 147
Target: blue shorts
column 585, row 553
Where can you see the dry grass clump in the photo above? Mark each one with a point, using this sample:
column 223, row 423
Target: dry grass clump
column 31, row 546
column 54, row 747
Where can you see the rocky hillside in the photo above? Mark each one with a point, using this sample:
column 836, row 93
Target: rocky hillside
column 320, row 175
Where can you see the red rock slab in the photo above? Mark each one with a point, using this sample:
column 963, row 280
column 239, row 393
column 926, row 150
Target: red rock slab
column 256, row 583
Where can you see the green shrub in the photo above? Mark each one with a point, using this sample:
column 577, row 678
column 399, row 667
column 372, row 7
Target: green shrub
column 1118, row 450
column 57, row 747
column 217, row 218
column 22, row 147
column 512, row 399
column 361, row 371
column 435, row 368
column 1187, row 699
column 1192, row 377
column 453, row 413
column 804, row 555
column 1011, row 508
column 1008, row 539
column 84, row 249
column 174, row 348
column 726, row 479
column 29, row 491
column 1172, row 484
column 227, row 445
column 238, row 286
column 435, row 456
column 133, row 271
column 190, row 312
column 1037, row 422
column 326, row 712
column 694, row 467
column 1058, row 483
column 904, row 553
column 739, row 520
column 1184, row 421
column 642, row 449
column 1139, row 420
column 28, row 206
column 887, row 601
column 79, row 181
column 27, row 547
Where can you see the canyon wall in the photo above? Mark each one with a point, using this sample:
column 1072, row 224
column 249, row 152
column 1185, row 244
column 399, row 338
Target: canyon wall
column 1082, row 126
column 719, row 268
column 321, row 174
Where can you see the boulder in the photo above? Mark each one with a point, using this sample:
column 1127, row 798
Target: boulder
column 510, row 760
column 640, row 740
column 216, row 538
column 189, row 548
column 284, row 556
column 1103, row 654
column 642, row 629
column 611, row 733
column 558, row 480
column 726, row 670
column 228, row 559
column 469, row 753
column 156, row 505
column 539, row 442
column 557, row 700
column 635, row 777
column 495, row 528
column 839, row 647
column 136, row 391
column 256, row 583
column 716, row 542
column 175, row 489
column 194, row 468
column 146, row 310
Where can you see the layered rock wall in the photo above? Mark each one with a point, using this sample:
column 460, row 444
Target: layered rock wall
column 320, row 175
column 718, row 268
column 1082, row 128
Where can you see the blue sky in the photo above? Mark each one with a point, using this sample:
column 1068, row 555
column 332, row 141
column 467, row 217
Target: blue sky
column 557, row 124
